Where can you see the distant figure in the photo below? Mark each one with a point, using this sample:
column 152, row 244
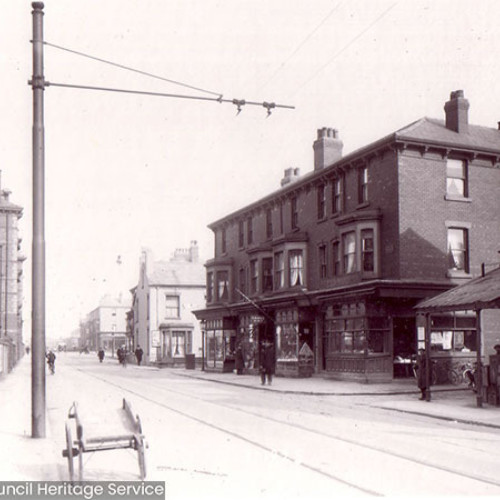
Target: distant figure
column 267, row 363
column 239, row 361
column 27, row 349
column 119, row 355
column 51, row 361
column 138, row 354
column 420, row 367
column 100, row 355
column 497, row 349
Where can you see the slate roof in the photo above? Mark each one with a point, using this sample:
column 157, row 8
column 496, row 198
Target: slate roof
column 432, row 130
column 177, row 273
column 479, row 293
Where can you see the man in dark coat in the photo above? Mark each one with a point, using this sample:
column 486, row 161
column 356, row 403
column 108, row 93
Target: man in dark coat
column 421, row 373
column 267, row 363
column 138, row 354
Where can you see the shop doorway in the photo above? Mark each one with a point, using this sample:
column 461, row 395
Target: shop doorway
column 404, row 346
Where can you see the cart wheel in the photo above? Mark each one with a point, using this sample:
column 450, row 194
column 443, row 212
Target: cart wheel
column 142, row 457
column 69, row 449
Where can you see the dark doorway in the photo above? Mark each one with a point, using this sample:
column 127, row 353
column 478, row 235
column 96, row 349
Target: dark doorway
column 404, row 346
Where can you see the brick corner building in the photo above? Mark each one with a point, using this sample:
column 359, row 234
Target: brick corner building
column 330, row 266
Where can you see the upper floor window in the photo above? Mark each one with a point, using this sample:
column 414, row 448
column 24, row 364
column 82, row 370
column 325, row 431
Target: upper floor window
column 336, row 258
column 241, row 234
column 363, row 185
column 349, row 252
column 321, row 201
column 456, row 178
column 458, row 249
column 254, row 276
column 269, row 223
column 222, row 285
column 223, row 243
column 296, row 267
column 267, row 274
column 322, row 261
column 281, row 218
column 172, row 306
column 367, row 250
column 249, row 230
column 338, row 195
column 279, row 270
column 242, row 279
column 210, row 287
column 294, row 213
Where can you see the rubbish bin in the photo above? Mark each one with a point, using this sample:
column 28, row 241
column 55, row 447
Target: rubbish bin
column 190, row 362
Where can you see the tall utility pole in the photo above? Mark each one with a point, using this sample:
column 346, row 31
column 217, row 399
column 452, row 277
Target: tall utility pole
column 38, row 244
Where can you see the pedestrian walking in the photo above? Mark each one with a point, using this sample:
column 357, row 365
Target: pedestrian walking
column 100, row 355
column 239, row 361
column 51, row 361
column 138, row 354
column 421, row 368
column 267, row 363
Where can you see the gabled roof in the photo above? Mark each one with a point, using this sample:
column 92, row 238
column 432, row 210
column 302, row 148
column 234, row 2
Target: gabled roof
column 479, row 293
column 432, row 130
column 177, row 273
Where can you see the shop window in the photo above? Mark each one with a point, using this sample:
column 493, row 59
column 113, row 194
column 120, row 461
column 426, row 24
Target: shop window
column 267, row 274
column 321, row 201
column 296, row 268
column 178, row 344
column 222, row 285
column 453, row 332
column 286, row 342
column 172, row 306
column 349, row 252
column 367, row 250
column 458, row 249
column 322, row 261
column 338, row 195
column 456, row 178
column 279, row 270
column 254, row 276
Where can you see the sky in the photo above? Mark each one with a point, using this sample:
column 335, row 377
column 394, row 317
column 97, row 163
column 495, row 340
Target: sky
column 125, row 172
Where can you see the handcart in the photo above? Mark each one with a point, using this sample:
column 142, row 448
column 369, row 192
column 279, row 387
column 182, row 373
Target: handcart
column 125, row 431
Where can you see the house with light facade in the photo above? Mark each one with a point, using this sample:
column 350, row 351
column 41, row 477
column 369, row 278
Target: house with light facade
column 330, row 266
column 163, row 300
column 105, row 327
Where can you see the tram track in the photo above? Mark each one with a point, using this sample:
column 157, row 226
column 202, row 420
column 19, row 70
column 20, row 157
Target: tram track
column 296, row 426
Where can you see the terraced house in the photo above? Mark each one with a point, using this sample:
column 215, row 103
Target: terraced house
column 330, row 266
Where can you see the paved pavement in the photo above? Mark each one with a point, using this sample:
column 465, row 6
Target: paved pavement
column 24, row 458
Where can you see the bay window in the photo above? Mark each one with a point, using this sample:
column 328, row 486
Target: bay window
column 349, row 251
column 296, row 267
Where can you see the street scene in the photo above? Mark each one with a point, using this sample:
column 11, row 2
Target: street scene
column 250, row 249
column 301, row 440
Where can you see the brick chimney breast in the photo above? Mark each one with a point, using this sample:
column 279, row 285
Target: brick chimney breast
column 327, row 148
column 457, row 112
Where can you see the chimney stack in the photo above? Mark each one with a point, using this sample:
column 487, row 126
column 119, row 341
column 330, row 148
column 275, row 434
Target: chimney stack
column 457, row 112
column 291, row 175
column 327, row 148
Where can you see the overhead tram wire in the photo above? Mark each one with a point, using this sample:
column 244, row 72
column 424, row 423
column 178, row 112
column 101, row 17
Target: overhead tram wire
column 300, row 45
column 343, row 49
column 239, row 103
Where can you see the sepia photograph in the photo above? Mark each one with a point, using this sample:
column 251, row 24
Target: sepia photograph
column 249, row 249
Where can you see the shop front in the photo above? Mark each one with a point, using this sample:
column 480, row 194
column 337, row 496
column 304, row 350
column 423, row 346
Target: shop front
column 294, row 342
column 219, row 344
column 357, row 341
